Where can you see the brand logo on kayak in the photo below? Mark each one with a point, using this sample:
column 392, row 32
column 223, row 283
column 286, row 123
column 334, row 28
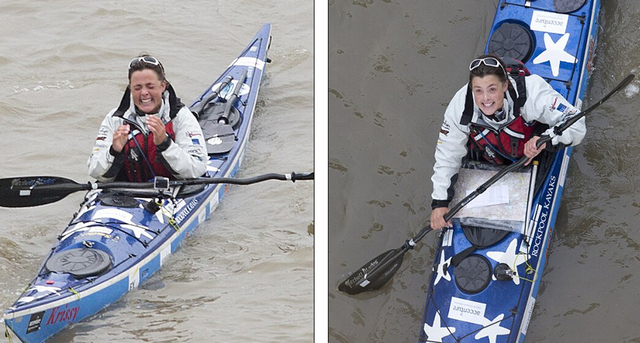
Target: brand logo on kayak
column 549, row 22
column 183, row 214
column 59, row 314
column 34, row 322
column 544, row 217
column 467, row 311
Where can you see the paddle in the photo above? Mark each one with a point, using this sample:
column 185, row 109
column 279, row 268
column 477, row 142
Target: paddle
column 232, row 100
column 40, row 190
column 199, row 109
column 378, row 271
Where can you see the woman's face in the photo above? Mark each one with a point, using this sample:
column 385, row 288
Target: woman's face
column 488, row 93
column 146, row 90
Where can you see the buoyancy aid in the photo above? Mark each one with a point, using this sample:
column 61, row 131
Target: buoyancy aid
column 142, row 158
column 505, row 144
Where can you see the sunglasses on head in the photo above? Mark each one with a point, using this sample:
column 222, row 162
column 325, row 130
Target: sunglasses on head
column 146, row 59
column 488, row 61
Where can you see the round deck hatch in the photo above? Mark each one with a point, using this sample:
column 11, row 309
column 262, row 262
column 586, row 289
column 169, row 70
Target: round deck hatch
column 81, row 262
column 119, row 200
column 512, row 40
column 473, row 274
column 567, row 6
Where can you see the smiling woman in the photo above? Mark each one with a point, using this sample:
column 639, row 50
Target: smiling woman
column 500, row 123
column 155, row 136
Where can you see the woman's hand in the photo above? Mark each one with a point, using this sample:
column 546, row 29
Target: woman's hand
column 156, row 126
column 530, row 149
column 437, row 218
column 120, row 137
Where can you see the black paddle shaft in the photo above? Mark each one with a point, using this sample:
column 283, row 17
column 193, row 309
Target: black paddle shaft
column 41, row 190
column 381, row 269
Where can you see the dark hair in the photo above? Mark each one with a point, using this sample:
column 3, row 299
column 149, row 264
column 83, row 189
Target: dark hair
column 483, row 70
column 139, row 63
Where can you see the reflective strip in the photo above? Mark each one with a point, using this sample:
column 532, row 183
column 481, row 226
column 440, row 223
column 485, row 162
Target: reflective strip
column 513, row 133
column 482, row 135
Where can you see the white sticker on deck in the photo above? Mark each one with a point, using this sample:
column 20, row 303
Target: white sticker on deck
column 109, row 213
column 249, row 62
column 467, row 311
column 549, row 22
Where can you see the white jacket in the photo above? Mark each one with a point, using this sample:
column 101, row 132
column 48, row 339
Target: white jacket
column 186, row 155
column 544, row 104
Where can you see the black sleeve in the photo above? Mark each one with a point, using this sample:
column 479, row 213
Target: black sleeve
column 117, row 164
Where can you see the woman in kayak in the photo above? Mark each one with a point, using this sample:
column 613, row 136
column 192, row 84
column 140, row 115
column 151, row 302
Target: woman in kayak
column 150, row 134
column 498, row 118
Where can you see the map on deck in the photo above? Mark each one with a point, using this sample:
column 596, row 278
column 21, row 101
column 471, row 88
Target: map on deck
column 501, row 206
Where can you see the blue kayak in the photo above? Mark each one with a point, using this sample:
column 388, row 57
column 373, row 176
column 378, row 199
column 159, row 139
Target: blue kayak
column 486, row 274
column 119, row 237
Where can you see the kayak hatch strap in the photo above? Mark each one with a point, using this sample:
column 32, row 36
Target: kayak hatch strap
column 74, row 292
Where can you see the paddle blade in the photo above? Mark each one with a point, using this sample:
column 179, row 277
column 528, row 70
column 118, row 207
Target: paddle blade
column 35, row 190
column 375, row 274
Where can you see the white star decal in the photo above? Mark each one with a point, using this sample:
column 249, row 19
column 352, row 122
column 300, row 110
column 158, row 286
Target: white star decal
column 555, row 53
column 492, row 330
column 442, row 273
column 75, row 228
column 46, row 289
column 436, row 332
column 509, row 257
column 160, row 216
column 85, row 209
column 41, row 291
column 137, row 231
